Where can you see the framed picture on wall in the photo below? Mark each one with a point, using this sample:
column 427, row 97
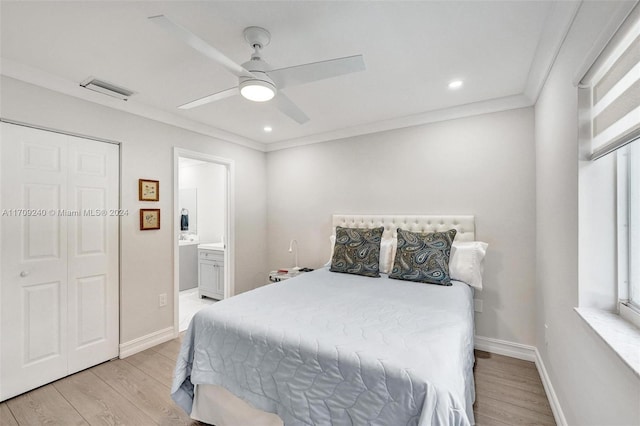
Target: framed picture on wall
column 149, row 219
column 148, row 190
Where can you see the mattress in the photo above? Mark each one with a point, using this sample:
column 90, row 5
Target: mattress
column 328, row 348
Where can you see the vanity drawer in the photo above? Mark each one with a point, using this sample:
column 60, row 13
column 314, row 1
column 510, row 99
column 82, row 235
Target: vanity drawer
column 211, row 254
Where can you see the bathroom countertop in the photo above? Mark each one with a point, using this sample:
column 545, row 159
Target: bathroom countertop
column 188, row 243
column 211, row 246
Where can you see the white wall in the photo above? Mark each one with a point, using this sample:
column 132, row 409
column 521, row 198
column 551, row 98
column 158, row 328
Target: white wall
column 210, row 182
column 146, row 266
column 593, row 385
column 597, row 234
column 482, row 165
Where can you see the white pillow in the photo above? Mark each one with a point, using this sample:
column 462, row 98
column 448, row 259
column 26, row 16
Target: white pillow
column 332, row 239
column 387, row 251
column 466, row 262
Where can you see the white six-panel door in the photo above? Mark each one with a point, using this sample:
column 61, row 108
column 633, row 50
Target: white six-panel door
column 92, row 253
column 34, row 260
column 59, row 256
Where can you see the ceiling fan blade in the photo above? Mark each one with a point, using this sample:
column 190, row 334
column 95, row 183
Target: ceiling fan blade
column 200, row 45
column 286, row 105
column 302, row 74
column 211, row 98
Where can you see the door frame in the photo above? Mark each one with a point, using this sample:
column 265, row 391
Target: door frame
column 229, row 238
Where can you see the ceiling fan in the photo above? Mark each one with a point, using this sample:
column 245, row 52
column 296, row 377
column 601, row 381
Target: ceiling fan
column 256, row 80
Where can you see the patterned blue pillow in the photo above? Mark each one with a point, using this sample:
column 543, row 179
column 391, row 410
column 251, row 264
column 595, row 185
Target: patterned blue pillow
column 423, row 257
column 357, row 251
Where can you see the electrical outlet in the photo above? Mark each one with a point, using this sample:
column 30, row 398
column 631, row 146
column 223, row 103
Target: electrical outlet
column 477, row 305
column 162, row 300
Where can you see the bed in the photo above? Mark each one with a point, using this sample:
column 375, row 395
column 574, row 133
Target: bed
column 328, row 348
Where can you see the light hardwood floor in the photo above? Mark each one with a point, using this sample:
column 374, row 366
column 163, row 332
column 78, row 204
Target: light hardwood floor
column 509, row 392
column 135, row 391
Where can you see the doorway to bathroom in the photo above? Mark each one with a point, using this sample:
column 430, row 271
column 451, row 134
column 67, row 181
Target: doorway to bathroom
column 203, row 229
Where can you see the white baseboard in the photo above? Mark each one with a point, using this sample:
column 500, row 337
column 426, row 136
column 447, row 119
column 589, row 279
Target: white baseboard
column 558, row 414
column 145, row 342
column 503, row 347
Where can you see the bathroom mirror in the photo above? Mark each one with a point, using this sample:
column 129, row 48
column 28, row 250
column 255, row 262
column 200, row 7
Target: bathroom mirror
column 188, row 199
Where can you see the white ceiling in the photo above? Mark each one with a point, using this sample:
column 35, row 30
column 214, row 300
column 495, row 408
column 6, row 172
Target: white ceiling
column 502, row 51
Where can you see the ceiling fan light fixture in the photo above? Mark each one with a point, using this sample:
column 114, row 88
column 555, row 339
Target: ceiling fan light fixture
column 257, row 90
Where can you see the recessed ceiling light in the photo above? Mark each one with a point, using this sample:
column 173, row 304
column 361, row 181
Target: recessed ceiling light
column 267, row 129
column 455, row 84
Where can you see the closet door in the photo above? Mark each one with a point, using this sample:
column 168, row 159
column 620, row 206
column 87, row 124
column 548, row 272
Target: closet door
column 33, row 292
column 59, row 264
column 92, row 253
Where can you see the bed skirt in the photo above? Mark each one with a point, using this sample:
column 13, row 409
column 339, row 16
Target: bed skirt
column 217, row 406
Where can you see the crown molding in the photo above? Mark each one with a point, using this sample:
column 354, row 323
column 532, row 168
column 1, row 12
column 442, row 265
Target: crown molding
column 476, row 108
column 555, row 31
column 620, row 14
column 49, row 81
column 560, row 16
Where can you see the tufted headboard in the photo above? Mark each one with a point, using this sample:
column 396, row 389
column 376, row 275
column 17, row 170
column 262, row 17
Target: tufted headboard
column 465, row 225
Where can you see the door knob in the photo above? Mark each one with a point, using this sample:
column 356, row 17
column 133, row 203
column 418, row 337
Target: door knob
column 24, row 274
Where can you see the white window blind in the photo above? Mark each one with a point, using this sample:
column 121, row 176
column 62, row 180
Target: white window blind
column 614, row 85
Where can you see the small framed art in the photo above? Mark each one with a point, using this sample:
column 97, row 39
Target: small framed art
column 148, row 190
column 149, row 219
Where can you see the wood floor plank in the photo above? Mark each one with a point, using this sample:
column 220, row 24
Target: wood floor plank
column 509, row 391
column 482, row 420
column 522, row 370
column 500, row 378
column 99, row 403
column 502, row 359
column 154, row 364
column 42, row 406
column 149, row 395
column 511, row 414
column 6, row 418
column 514, row 396
column 169, row 349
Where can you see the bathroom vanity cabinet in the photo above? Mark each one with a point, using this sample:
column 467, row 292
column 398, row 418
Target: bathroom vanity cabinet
column 211, row 271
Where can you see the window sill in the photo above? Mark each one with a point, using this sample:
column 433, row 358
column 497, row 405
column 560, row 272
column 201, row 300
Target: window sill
column 620, row 335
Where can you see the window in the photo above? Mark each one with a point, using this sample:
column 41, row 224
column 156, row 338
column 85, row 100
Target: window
column 609, row 193
column 628, row 223
column 633, row 167
column 610, row 147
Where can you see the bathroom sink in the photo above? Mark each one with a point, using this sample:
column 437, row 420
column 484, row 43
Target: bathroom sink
column 187, row 243
column 188, row 239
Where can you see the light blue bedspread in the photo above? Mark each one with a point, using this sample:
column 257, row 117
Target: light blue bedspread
column 336, row 349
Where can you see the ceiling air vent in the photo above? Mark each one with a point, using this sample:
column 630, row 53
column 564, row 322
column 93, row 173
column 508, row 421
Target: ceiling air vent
column 106, row 88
